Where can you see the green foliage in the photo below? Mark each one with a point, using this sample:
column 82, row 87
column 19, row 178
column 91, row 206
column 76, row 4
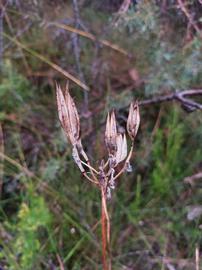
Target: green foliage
column 15, row 89
column 142, row 18
column 136, row 204
column 51, row 170
column 167, row 156
column 32, row 216
column 165, row 61
column 187, row 231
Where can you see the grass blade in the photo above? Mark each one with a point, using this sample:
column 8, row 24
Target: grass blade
column 45, row 60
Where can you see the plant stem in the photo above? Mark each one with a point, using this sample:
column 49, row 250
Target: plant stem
column 104, row 238
column 106, row 259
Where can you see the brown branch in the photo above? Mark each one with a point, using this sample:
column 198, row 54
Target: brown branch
column 191, row 179
column 181, row 96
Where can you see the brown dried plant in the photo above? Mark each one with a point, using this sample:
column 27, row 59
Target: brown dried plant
column 108, row 171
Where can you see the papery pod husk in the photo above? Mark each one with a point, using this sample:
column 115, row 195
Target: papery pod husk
column 68, row 115
column 121, row 152
column 77, row 159
column 81, row 150
column 133, row 121
column 111, row 133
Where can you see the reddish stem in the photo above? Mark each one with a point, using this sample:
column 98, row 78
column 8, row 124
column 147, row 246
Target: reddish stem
column 104, row 236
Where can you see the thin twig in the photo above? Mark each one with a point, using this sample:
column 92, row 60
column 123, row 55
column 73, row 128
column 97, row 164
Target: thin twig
column 121, row 12
column 17, row 165
column 189, row 16
column 1, row 158
column 60, row 262
column 197, row 257
column 90, row 167
column 1, row 38
column 19, row 33
column 2, row 14
column 77, row 50
column 91, row 180
column 45, row 60
column 91, row 37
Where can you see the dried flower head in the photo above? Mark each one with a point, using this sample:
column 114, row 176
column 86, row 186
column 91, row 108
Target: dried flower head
column 111, row 133
column 68, row 114
column 121, row 152
column 116, row 142
column 133, row 121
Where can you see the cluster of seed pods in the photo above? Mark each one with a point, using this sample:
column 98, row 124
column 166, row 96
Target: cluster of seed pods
column 116, row 143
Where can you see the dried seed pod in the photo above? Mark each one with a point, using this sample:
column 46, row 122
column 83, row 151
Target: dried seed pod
column 133, row 121
column 68, row 114
column 111, row 179
column 111, row 133
column 77, row 159
column 81, row 150
column 121, row 152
